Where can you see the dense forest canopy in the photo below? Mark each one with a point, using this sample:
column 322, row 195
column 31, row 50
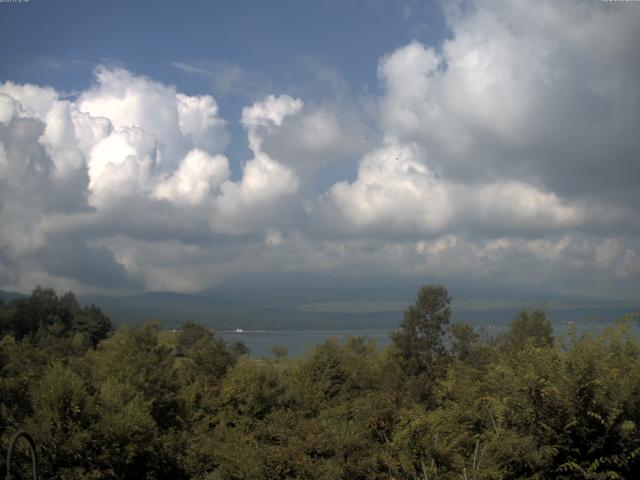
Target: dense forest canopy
column 442, row 401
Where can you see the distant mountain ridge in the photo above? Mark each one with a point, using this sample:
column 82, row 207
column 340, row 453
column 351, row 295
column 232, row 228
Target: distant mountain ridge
column 9, row 296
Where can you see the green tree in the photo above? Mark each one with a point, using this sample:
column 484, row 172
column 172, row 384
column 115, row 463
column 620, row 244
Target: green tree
column 464, row 341
column 238, row 349
column 140, row 409
column 529, row 328
column 203, row 361
column 419, row 342
column 323, row 375
column 43, row 316
column 63, row 412
column 33, row 315
column 21, row 367
column 134, row 358
column 92, row 323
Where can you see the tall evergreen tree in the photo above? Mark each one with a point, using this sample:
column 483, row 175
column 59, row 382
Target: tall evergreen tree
column 419, row 342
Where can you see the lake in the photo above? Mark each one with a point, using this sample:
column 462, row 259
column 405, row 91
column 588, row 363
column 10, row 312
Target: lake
column 260, row 342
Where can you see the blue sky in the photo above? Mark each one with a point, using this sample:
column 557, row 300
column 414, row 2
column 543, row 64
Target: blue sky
column 176, row 146
column 310, row 48
column 269, row 38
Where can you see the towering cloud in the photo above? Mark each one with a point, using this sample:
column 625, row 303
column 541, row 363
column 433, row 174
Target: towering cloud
column 507, row 153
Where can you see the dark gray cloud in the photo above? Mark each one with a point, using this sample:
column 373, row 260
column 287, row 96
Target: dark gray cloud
column 72, row 257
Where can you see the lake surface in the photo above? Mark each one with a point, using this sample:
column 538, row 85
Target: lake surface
column 298, row 342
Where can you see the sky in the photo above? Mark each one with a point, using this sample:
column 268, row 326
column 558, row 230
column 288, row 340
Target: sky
column 175, row 146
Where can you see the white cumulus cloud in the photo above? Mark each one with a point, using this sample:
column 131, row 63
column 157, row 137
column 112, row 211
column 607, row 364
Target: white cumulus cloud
column 506, row 154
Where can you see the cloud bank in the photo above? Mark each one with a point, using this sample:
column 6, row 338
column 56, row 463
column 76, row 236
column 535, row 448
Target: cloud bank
column 509, row 155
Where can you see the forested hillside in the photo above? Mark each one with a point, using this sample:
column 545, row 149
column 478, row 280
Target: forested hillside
column 443, row 401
